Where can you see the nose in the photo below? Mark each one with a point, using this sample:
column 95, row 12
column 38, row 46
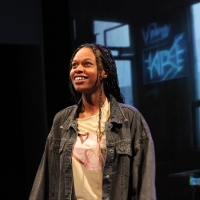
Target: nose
column 79, row 69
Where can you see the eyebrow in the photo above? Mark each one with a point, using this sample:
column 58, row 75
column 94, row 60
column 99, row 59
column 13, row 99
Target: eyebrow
column 83, row 59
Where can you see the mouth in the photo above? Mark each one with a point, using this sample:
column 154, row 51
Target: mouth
column 77, row 78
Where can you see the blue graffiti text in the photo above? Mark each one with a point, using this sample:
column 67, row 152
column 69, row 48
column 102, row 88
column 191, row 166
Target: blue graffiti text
column 155, row 34
column 166, row 64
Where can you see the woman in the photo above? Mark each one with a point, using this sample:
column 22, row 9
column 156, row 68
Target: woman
column 98, row 148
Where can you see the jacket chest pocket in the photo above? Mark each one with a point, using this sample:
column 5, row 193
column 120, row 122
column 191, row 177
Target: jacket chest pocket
column 57, row 146
column 124, row 153
column 124, row 147
column 56, row 149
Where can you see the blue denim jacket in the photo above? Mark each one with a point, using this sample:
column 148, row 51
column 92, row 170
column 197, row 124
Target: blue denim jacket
column 129, row 171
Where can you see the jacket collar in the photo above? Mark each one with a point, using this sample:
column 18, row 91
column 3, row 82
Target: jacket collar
column 116, row 114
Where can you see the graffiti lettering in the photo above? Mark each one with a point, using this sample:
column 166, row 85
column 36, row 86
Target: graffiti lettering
column 155, row 34
column 166, row 64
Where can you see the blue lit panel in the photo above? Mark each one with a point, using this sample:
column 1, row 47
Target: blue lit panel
column 194, row 181
column 195, row 10
column 196, row 41
column 125, row 79
column 118, row 36
column 164, row 56
column 100, row 27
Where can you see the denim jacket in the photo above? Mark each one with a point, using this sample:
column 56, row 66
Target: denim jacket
column 129, row 170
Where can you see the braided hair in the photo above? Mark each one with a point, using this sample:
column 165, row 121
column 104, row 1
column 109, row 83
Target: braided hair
column 103, row 55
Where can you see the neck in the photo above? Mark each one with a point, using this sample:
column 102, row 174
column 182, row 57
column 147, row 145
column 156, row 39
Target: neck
column 90, row 104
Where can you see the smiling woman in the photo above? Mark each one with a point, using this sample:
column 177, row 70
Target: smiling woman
column 99, row 148
column 84, row 73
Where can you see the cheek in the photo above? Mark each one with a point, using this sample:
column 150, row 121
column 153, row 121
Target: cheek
column 71, row 73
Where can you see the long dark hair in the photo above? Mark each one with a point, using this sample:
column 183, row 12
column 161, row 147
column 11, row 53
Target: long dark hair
column 103, row 55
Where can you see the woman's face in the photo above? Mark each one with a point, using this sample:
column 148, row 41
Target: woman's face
column 84, row 72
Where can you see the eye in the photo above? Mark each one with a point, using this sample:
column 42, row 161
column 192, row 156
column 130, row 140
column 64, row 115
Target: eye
column 74, row 65
column 88, row 63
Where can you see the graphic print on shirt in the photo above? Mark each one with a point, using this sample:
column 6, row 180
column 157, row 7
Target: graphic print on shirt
column 86, row 151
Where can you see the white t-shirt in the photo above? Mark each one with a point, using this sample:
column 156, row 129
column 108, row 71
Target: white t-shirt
column 87, row 159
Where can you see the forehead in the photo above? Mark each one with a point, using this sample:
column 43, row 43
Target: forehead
column 84, row 53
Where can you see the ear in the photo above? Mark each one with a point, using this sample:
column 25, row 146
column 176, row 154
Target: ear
column 104, row 74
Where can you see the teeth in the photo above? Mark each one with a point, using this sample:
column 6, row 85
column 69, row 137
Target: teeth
column 79, row 78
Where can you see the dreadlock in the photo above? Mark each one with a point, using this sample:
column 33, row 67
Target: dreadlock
column 104, row 59
column 103, row 55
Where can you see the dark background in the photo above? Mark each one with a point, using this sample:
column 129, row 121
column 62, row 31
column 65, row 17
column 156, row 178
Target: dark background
column 36, row 43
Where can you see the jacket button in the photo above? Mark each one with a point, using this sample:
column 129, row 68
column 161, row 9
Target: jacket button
column 107, row 176
column 111, row 151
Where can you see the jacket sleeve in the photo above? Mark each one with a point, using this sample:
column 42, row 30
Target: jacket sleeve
column 40, row 189
column 143, row 170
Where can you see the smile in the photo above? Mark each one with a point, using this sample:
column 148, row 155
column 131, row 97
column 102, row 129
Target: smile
column 80, row 78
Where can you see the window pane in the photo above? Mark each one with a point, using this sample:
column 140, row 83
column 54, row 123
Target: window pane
column 125, row 81
column 116, row 35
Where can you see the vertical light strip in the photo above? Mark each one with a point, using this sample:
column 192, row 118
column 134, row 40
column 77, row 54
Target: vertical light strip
column 196, row 42
column 195, row 10
column 74, row 27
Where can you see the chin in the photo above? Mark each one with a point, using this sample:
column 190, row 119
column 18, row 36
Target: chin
column 86, row 91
